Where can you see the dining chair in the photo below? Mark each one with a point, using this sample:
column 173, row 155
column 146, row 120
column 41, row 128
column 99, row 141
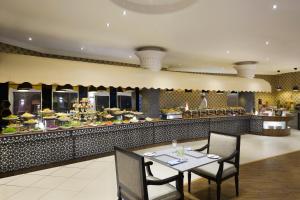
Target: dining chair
column 134, row 184
column 226, row 146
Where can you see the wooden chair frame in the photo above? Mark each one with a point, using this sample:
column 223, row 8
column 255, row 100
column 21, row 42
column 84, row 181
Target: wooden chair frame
column 219, row 179
column 143, row 180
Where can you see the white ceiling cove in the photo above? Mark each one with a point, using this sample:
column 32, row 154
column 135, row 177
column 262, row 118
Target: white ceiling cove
column 200, row 36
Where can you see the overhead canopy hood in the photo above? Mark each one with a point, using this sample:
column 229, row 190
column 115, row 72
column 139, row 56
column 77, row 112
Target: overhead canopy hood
column 23, row 68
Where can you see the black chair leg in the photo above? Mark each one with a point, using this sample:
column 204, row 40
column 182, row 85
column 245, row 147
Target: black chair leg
column 237, row 185
column 209, row 181
column 189, row 181
column 218, row 190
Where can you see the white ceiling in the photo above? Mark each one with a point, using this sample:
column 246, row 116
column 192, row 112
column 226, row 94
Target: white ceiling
column 197, row 37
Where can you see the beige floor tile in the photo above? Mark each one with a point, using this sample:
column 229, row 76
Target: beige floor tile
column 25, row 180
column 7, row 191
column 59, row 195
column 94, row 196
column 29, row 194
column 45, row 172
column 80, row 165
column 7, row 179
column 66, row 172
column 49, row 182
column 73, row 184
column 90, row 174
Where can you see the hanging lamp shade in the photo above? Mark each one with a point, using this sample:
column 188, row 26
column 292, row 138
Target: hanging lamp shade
column 278, row 88
column 101, row 88
column 169, row 90
column 24, row 86
column 92, row 89
column 295, row 87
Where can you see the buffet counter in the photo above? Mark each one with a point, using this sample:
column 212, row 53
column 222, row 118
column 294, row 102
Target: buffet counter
column 21, row 151
column 276, row 125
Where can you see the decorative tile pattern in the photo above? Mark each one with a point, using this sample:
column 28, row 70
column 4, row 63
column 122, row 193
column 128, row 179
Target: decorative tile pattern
column 172, row 99
column 28, row 150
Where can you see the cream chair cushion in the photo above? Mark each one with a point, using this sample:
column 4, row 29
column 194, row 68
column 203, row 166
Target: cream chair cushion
column 212, row 169
column 222, row 145
column 162, row 192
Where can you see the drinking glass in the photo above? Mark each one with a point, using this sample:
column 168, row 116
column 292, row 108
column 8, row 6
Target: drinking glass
column 174, row 144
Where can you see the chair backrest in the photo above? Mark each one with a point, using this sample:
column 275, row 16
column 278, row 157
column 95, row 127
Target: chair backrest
column 224, row 145
column 131, row 176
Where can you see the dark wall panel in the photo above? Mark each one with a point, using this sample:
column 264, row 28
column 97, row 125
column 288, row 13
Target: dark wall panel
column 3, row 91
column 83, row 92
column 47, row 96
column 113, row 97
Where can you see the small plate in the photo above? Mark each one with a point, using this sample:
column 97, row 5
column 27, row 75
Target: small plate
column 150, row 154
column 213, row 156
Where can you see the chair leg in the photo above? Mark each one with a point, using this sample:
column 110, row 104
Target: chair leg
column 237, row 185
column 209, row 181
column 189, row 181
column 218, row 190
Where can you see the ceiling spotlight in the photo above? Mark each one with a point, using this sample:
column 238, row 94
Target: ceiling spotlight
column 30, row 38
column 275, row 7
column 107, row 25
column 81, row 48
column 124, row 12
column 228, row 52
column 267, row 42
column 130, row 56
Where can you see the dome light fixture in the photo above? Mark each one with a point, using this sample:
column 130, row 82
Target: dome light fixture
column 101, row 88
column 92, row 89
column 67, row 87
column 24, row 87
column 120, row 89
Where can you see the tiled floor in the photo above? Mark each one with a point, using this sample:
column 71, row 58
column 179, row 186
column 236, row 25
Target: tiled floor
column 95, row 179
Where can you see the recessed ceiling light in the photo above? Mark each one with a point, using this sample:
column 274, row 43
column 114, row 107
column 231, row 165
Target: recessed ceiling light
column 124, row 12
column 107, row 25
column 82, row 48
column 267, row 42
column 30, row 38
column 275, row 7
column 228, row 52
column 130, row 56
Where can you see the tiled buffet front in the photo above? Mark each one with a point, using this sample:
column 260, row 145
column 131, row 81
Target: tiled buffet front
column 36, row 149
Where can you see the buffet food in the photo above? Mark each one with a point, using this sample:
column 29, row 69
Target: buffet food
column 64, row 118
column 31, row 121
column 11, row 117
column 9, row 130
column 47, row 111
column 27, row 115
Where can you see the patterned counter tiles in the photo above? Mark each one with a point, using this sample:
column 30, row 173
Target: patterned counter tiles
column 29, row 150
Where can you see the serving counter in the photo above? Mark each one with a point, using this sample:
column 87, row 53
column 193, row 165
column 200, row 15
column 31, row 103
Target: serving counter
column 22, row 151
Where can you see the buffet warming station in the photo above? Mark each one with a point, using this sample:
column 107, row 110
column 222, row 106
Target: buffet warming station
column 32, row 149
